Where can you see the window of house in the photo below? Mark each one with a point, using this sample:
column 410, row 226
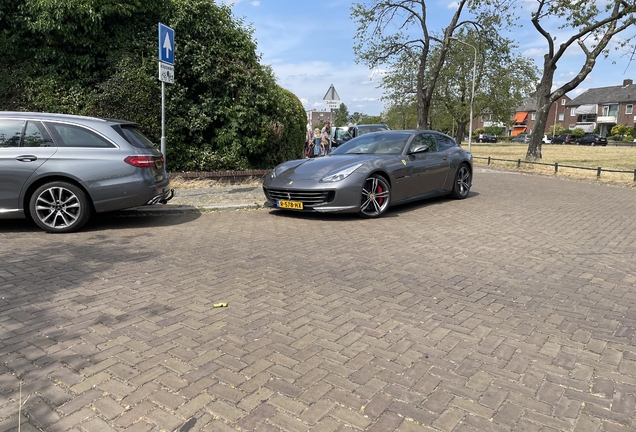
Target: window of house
column 562, row 101
column 533, row 116
column 572, row 112
column 561, row 116
column 610, row 110
column 629, row 109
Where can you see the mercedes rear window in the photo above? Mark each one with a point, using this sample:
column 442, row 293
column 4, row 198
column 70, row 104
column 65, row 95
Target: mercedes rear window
column 134, row 136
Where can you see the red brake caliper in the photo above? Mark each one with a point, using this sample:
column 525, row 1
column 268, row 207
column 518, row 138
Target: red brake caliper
column 380, row 200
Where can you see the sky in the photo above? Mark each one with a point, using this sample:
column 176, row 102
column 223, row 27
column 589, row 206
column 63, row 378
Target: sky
column 309, row 45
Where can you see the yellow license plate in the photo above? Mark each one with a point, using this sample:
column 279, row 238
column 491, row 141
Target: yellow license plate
column 296, row 205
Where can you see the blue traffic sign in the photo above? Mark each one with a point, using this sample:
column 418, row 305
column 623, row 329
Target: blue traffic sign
column 166, row 44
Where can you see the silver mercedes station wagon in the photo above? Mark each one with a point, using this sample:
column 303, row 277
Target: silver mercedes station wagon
column 59, row 169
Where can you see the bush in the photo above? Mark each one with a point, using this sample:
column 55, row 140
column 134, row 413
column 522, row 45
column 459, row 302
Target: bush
column 494, row 130
column 131, row 93
column 578, row 132
column 224, row 111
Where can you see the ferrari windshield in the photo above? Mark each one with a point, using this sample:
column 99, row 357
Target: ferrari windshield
column 375, row 143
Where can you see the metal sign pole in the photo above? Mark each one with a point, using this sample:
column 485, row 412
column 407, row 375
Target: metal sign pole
column 163, row 121
column 166, row 75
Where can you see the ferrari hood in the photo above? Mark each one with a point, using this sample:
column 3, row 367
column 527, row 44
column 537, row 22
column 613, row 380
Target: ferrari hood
column 316, row 169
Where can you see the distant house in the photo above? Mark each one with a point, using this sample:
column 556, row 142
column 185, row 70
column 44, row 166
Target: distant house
column 525, row 117
column 603, row 108
column 319, row 117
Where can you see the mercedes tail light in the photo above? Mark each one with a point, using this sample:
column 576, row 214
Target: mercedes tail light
column 144, row 161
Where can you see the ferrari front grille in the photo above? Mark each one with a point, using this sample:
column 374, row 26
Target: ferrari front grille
column 307, row 197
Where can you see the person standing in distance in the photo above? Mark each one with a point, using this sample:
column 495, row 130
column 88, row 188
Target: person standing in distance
column 318, row 148
column 309, row 141
column 326, row 138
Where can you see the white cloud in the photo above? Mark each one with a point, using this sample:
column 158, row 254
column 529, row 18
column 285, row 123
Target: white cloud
column 256, row 3
column 453, row 5
column 534, row 52
column 309, row 81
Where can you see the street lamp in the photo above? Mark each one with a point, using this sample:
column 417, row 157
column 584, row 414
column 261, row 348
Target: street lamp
column 472, row 94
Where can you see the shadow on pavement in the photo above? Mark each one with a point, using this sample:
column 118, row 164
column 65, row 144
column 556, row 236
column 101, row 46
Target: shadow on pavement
column 110, row 220
column 353, row 217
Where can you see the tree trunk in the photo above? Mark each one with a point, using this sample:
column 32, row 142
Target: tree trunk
column 544, row 100
column 423, row 102
column 461, row 131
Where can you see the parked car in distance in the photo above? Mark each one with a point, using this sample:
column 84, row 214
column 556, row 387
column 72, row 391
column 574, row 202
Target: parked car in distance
column 547, row 139
column 483, row 138
column 58, row 169
column 358, row 130
column 370, row 173
column 564, row 139
column 339, row 135
column 522, row 138
column 592, row 140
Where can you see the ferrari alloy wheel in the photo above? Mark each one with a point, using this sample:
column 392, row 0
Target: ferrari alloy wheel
column 59, row 207
column 376, row 196
column 462, row 182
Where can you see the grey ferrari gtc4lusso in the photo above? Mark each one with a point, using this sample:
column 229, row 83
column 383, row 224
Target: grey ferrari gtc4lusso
column 372, row 172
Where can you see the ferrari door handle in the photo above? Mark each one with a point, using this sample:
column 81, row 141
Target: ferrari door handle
column 27, row 158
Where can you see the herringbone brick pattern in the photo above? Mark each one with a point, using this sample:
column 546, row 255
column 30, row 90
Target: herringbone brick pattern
column 514, row 309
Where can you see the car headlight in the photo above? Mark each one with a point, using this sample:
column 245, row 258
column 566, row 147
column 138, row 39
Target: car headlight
column 342, row 174
column 276, row 171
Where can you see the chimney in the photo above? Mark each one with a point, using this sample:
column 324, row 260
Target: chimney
column 627, row 82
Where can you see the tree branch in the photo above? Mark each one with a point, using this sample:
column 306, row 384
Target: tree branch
column 612, row 18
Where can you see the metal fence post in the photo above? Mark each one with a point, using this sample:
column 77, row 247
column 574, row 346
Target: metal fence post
column 519, row 163
column 598, row 172
column 634, row 170
column 556, row 167
column 635, row 175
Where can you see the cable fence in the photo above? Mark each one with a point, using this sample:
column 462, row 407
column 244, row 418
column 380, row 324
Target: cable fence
column 557, row 166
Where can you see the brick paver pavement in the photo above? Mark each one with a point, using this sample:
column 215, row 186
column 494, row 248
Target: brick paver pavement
column 514, row 309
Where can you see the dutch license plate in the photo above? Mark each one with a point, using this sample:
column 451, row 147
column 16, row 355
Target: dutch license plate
column 295, row 205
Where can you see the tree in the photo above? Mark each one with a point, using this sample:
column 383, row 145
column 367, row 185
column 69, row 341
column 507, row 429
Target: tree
column 413, row 40
column 356, row 117
column 342, row 115
column 371, row 120
column 400, row 93
column 403, row 116
column 503, row 79
column 593, row 29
